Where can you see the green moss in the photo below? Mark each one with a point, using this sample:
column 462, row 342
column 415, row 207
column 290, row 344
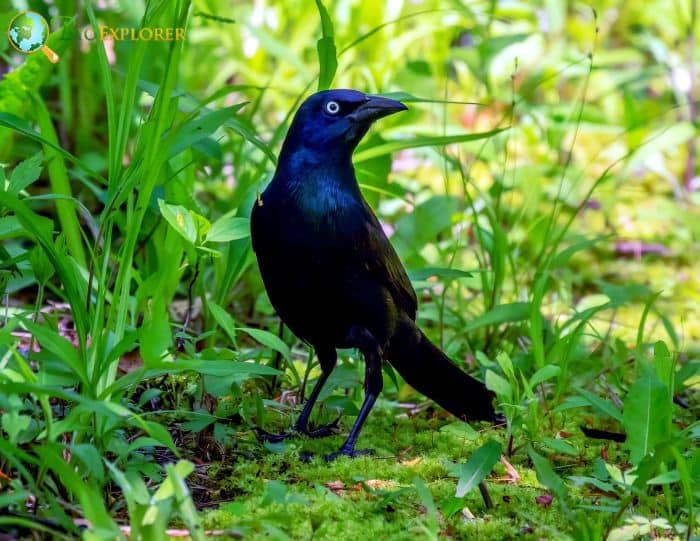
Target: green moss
column 335, row 505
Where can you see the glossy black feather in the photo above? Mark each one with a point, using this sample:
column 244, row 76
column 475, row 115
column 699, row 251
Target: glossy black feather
column 329, row 268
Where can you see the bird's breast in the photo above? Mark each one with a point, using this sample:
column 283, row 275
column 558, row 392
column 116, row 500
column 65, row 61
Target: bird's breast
column 310, row 208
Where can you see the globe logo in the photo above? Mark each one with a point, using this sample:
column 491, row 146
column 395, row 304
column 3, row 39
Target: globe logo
column 28, row 33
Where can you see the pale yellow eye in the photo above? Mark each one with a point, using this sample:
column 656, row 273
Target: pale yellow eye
column 332, row 107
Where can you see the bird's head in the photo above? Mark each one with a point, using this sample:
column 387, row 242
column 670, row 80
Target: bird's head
column 333, row 121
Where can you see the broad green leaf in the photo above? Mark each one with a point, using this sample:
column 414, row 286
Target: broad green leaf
column 159, row 433
column 460, row 429
column 666, row 478
column 202, row 226
column 167, row 488
column 427, row 221
column 602, row 405
column 180, row 220
column 155, row 335
column 547, row 476
column 499, row 385
column 41, row 265
column 224, row 319
column 268, row 339
column 199, row 422
column 543, row 374
column 503, row 313
column 647, row 413
column 25, row 173
column 663, row 364
column 594, row 481
column 146, row 441
column 228, row 228
column 560, row 446
column 275, row 492
column 10, row 227
column 133, row 487
column 506, row 364
column 91, row 458
column 477, row 467
column 13, row 423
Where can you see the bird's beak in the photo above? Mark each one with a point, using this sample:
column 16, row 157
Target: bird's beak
column 374, row 108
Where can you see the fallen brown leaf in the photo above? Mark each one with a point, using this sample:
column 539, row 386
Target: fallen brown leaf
column 130, row 361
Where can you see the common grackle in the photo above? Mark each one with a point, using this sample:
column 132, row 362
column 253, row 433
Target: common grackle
column 331, row 272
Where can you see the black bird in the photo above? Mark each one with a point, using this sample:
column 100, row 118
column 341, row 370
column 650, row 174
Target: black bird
column 331, row 272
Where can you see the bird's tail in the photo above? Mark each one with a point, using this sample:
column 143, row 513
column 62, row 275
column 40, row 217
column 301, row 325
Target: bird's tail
column 427, row 369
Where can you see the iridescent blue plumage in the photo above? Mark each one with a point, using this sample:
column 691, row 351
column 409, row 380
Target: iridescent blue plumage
column 331, row 272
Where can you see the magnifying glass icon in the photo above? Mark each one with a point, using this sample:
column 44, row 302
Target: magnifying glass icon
column 28, row 33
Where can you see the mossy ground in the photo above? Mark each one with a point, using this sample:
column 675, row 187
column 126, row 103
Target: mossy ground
column 375, row 497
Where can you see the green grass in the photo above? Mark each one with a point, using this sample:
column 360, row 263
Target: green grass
column 138, row 349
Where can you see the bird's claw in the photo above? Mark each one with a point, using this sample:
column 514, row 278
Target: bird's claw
column 269, row 437
column 322, row 431
column 350, row 453
column 331, row 429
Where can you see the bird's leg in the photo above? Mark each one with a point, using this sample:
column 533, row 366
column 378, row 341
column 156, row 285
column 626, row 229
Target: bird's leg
column 373, row 386
column 327, row 358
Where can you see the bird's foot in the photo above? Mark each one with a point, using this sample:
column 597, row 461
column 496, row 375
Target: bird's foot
column 322, row 431
column 351, row 453
column 331, row 429
column 269, row 437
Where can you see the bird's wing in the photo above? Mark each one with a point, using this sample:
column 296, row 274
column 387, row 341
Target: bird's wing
column 382, row 261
